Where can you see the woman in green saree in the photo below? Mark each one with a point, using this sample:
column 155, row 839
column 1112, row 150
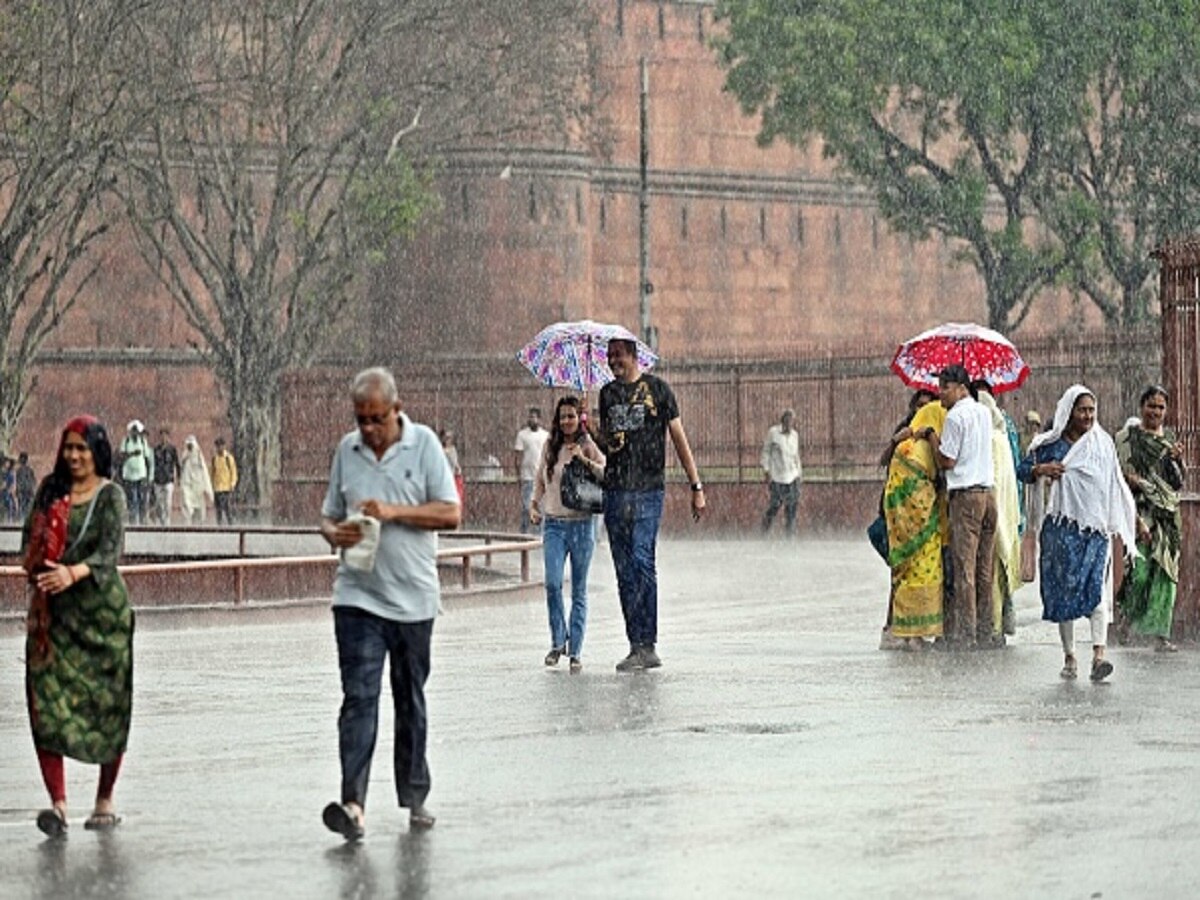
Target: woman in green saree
column 1151, row 460
column 79, row 650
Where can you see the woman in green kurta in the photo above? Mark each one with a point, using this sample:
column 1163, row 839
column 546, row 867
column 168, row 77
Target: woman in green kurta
column 1151, row 462
column 79, row 651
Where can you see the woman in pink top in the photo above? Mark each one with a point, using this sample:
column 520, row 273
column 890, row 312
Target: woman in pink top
column 565, row 532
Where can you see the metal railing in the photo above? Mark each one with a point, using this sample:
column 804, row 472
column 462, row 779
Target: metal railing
column 487, row 544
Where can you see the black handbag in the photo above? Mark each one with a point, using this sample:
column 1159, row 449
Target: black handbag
column 580, row 489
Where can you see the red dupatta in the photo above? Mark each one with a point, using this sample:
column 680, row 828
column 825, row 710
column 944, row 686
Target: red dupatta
column 47, row 544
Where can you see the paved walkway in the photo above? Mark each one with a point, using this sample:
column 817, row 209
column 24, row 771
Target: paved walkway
column 777, row 754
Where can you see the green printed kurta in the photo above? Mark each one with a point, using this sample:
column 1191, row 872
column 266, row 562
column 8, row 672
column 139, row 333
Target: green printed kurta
column 1147, row 594
column 81, row 699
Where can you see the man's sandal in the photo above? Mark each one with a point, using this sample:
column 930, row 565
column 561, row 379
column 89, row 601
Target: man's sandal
column 338, row 818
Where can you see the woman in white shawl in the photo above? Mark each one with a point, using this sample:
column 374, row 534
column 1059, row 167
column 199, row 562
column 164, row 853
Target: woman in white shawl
column 195, row 484
column 1088, row 503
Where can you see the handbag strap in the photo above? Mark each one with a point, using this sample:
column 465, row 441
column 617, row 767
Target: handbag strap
column 87, row 519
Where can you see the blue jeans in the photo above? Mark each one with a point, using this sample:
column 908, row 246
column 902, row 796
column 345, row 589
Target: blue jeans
column 135, row 495
column 562, row 538
column 363, row 641
column 632, row 518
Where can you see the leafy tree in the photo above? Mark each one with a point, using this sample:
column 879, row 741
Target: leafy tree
column 947, row 109
column 241, row 194
column 292, row 150
column 64, row 89
column 1124, row 177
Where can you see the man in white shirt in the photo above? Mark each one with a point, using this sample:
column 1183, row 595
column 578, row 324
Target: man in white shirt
column 965, row 452
column 781, row 464
column 527, row 453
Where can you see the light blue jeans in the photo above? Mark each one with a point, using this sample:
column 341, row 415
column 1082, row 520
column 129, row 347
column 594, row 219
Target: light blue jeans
column 562, row 538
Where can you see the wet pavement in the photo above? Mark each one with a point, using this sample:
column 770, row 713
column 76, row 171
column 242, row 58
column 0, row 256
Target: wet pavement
column 778, row 753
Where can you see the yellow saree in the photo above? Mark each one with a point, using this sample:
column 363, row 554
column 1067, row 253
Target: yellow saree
column 917, row 529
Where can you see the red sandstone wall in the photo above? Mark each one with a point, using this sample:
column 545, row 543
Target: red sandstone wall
column 775, row 255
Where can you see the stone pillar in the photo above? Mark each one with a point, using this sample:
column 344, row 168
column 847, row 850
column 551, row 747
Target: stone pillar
column 1179, row 295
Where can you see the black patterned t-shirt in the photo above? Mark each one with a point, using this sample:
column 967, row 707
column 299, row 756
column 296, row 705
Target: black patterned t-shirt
column 633, row 420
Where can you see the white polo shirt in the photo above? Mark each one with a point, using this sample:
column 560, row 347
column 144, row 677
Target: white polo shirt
column 403, row 586
column 967, row 439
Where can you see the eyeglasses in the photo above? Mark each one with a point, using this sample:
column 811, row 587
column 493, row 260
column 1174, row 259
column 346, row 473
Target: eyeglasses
column 372, row 420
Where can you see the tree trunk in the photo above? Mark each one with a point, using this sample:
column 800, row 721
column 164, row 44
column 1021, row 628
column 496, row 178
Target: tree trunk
column 254, row 417
column 13, row 395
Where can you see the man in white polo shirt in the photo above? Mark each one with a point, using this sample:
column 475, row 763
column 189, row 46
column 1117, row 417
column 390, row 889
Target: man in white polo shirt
column 965, row 452
column 396, row 472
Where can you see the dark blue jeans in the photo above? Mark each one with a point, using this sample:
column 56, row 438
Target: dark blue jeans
column 632, row 518
column 363, row 641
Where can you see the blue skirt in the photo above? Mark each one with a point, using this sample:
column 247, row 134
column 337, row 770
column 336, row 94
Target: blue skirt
column 1071, row 569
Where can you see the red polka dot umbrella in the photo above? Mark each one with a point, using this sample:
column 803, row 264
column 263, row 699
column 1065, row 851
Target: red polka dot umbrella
column 984, row 353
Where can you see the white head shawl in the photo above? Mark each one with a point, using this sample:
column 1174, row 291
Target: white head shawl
column 1092, row 492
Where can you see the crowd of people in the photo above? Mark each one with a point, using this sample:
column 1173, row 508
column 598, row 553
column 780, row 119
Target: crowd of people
column 157, row 479
column 970, row 511
column 961, row 485
column 16, row 488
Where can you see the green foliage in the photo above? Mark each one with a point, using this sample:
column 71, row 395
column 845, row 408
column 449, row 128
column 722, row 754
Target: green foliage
column 387, row 202
column 1057, row 140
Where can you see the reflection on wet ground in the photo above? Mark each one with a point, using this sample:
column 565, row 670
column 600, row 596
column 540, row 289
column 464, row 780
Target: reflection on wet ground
column 778, row 753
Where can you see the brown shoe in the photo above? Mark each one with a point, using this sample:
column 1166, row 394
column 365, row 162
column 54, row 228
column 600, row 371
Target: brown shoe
column 1101, row 669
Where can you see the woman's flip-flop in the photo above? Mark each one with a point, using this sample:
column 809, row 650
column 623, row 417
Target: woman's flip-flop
column 102, row 821
column 51, row 823
column 338, row 818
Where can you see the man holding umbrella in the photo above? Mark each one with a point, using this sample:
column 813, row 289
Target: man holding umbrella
column 964, row 450
column 637, row 412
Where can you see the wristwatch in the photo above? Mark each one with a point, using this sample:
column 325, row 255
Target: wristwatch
column 698, row 486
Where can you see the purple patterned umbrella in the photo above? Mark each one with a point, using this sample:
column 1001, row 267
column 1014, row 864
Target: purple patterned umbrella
column 575, row 354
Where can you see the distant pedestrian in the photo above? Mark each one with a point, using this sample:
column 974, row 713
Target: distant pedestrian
column 637, row 412
column 527, row 453
column 25, row 486
column 195, row 484
column 8, row 489
column 224, row 480
column 394, row 471
column 964, row 451
column 446, row 435
column 137, row 471
column 781, row 467
column 79, row 649
column 1151, row 460
column 1031, row 429
column 565, row 532
column 1088, row 504
column 166, row 474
